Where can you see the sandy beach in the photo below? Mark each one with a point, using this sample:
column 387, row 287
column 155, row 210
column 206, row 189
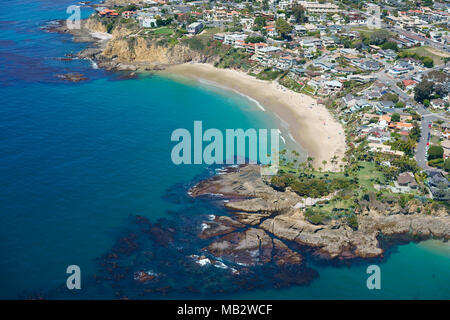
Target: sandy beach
column 311, row 125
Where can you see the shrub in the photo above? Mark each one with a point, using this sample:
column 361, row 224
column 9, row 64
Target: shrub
column 435, row 152
column 315, row 216
column 352, row 221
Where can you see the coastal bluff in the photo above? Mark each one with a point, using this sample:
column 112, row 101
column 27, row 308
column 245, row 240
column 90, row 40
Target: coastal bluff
column 124, row 49
column 262, row 219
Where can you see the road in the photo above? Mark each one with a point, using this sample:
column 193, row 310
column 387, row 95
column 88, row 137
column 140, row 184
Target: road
column 427, row 117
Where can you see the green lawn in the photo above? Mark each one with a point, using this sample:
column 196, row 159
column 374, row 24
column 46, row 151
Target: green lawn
column 367, row 175
column 366, row 30
column 308, row 90
column 426, row 51
column 164, row 31
column 210, row 31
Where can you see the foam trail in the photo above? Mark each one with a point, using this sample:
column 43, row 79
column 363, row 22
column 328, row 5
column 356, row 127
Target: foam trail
column 281, row 136
column 210, row 83
column 94, row 64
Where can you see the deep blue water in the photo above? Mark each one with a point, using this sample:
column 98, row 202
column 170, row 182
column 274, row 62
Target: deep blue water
column 78, row 159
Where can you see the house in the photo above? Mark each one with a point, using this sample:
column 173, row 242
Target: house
column 386, row 104
column 219, row 36
column 128, row 14
column 285, row 63
column 370, row 65
column 438, row 183
column 379, row 136
column 401, row 67
column 378, row 147
column 230, row 39
column 401, row 43
column 108, row 13
column 403, row 126
column 384, row 121
column 347, row 98
column 271, row 31
column 252, row 47
column 324, row 64
column 435, row 179
column 388, row 54
column 311, row 42
column 148, row 22
column 333, row 86
column 446, row 146
column 437, row 104
column 328, row 41
column 266, row 52
column 299, row 29
column 409, row 84
column 313, row 84
column 296, row 73
column 316, row 7
column 346, row 70
column 194, row 28
column 412, row 38
column 406, row 179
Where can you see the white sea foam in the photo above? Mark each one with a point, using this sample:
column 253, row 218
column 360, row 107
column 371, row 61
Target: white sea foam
column 281, row 136
column 101, row 35
column 203, row 262
column 210, row 83
column 221, row 265
column 291, row 137
column 94, row 64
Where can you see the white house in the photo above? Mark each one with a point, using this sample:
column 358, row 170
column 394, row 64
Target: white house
column 194, row 28
column 333, row 86
column 148, row 22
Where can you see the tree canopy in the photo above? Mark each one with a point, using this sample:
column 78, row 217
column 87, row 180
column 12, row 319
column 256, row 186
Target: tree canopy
column 282, row 27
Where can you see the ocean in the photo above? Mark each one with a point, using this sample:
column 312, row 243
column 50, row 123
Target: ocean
column 79, row 160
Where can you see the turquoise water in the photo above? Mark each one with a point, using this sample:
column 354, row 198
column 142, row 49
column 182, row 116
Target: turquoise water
column 412, row 271
column 77, row 160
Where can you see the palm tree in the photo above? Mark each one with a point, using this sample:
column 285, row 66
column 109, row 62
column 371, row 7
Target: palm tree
column 334, row 160
column 310, row 161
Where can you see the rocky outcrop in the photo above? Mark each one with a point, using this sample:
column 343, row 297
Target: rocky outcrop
column 261, row 216
column 219, row 226
column 252, row 247
column 93, row 25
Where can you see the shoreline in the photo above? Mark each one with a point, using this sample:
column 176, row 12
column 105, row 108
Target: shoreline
column 311, row 125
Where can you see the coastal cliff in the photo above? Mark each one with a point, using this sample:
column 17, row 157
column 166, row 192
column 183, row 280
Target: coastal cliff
column 123, row 48
column 148, row 54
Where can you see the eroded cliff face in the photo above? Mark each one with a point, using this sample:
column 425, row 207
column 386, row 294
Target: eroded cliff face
column 94, row 25
column 143, row 51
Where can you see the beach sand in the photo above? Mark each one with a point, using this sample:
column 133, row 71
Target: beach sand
column 311, row 125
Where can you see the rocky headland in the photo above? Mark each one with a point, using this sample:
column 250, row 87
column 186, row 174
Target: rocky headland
column 125, row 49
column 267, row 225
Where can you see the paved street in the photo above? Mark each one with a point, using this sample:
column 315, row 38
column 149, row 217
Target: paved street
column 427, row 116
